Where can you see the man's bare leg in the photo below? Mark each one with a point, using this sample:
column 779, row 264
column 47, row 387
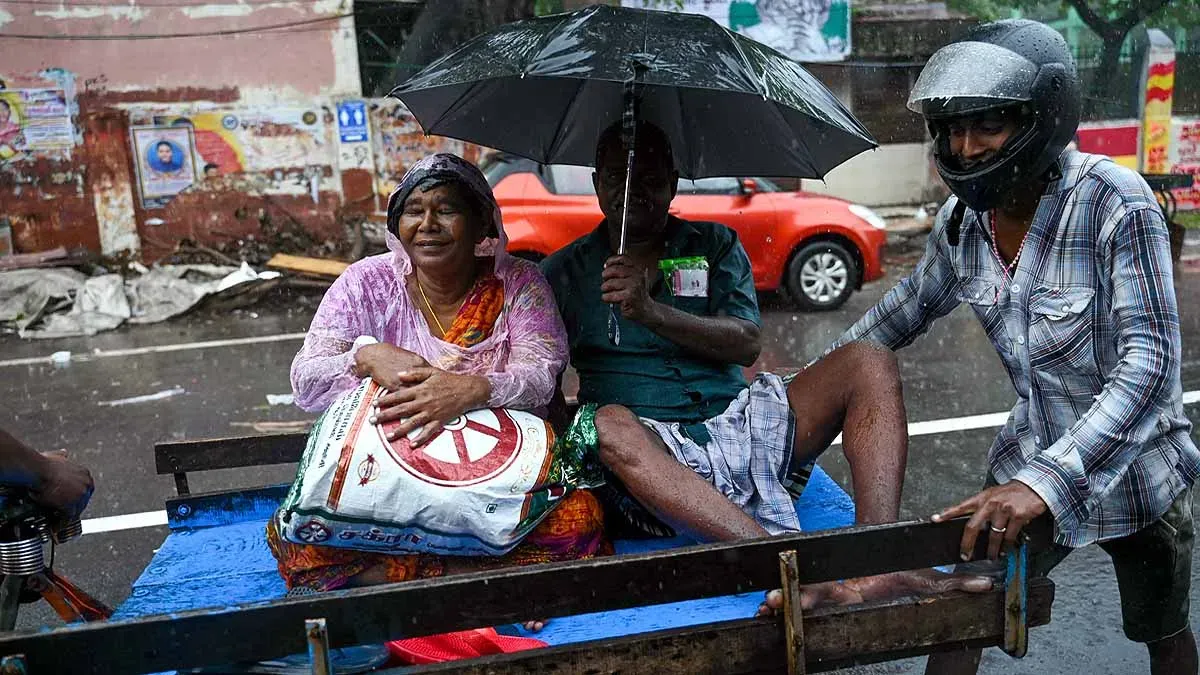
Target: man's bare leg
column 679, row 496
column 671, row 491
column 855, row 390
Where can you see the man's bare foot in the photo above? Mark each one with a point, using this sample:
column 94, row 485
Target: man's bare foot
column 813, row 595
column 535, row 626
column 878, row 587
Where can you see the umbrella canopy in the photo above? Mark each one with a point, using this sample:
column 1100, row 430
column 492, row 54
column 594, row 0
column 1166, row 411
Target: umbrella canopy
column 545, row 88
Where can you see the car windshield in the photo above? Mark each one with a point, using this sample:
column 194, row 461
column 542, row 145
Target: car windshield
column 577, row 180
column 497, row 165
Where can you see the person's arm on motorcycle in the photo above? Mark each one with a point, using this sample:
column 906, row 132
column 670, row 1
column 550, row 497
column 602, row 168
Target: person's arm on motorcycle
column 53, row 480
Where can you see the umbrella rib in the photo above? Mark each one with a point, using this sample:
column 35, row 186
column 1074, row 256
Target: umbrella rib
column 762, row 88
column 454, row 106
column 542, row 43
column 555, row 141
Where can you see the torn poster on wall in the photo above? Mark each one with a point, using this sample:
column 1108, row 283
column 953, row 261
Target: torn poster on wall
column 251, row 140
column 165, row 163
column 398, row 142
column 34, row 121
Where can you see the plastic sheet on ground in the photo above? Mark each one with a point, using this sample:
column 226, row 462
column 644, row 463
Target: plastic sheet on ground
column 64, row 302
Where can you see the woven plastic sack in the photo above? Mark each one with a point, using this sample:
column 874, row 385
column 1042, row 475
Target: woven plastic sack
column 476, row 489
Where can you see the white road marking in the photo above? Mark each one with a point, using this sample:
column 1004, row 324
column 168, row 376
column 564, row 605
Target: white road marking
column 129, row 521
column 134, row 521
column 157, row 349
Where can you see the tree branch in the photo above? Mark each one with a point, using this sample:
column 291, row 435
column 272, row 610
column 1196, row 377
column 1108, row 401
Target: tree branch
column 1138, row 13
column 1118, row 28
column 1099, row 25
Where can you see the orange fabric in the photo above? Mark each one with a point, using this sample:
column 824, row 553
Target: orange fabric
column 573, row 530
column 477, row 317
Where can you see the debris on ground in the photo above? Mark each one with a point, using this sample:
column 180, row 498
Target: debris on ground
column 314, row 267
column 296, row 427
column 63, row 302
column 276, row 234
column 281, row 399
column 57, row 257
column 146, row 398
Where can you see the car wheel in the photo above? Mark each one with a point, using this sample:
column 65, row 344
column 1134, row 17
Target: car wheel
column 821, row 276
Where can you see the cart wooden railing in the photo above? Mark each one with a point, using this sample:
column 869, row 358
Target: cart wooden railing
column 812, row 641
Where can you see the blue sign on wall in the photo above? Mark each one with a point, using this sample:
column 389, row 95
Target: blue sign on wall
column 352, row 121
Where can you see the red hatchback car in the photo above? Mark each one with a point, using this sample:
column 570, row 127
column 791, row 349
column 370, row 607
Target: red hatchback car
column 816, row 249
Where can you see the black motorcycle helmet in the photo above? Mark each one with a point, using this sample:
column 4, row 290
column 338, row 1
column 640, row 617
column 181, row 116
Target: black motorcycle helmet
column 1013, row 67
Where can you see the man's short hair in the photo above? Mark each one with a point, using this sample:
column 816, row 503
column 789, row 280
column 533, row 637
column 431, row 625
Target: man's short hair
column 649, row 138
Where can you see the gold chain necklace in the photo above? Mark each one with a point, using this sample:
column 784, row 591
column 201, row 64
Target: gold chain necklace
column 429, row 306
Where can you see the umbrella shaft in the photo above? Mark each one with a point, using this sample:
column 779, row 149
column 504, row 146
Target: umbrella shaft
column 625, row 202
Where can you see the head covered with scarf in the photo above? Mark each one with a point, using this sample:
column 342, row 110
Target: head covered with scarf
column 443, row 169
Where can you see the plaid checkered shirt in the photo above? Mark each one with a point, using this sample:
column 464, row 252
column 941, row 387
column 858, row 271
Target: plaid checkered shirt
column 1088, row 330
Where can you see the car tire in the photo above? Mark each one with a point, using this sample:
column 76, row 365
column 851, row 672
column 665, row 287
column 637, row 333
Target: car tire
column 821, row 276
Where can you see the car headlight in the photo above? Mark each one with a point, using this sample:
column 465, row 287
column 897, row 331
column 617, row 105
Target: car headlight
column 869, row 216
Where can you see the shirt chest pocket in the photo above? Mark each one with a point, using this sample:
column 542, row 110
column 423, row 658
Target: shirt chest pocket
column 1061, row 337
column 979, row 293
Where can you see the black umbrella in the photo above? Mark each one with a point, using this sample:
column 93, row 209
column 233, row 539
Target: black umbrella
column 545, row 88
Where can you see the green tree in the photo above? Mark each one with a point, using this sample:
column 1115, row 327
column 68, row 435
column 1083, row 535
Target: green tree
column 1111, row 21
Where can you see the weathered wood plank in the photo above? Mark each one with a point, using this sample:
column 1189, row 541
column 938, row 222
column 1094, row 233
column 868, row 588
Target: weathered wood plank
column 793, row 612
column 367, row 615
column 228, row 453
column 314, row 266
column 834, row 638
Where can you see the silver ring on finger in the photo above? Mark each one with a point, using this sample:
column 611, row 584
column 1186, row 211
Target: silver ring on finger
column 998, row 530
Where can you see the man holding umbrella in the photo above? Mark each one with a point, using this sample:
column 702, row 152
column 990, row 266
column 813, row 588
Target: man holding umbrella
column 1064, row 257
column 691, row 447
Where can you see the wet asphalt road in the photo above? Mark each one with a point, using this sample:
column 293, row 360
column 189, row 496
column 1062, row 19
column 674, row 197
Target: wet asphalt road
column 951, row 372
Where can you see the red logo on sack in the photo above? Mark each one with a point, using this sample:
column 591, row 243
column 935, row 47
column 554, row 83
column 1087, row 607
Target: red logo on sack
column 466, row 452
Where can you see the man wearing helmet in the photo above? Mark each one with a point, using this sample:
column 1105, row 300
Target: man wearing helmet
column 1064, row 257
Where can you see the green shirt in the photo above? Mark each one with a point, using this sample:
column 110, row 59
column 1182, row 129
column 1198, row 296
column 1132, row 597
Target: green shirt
column 646, row 373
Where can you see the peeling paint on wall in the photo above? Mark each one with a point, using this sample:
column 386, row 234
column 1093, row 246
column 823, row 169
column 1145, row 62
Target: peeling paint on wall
column 131, row 13
column 345, row 61
column 280, row 161
column 211, row 11
column 114, row 216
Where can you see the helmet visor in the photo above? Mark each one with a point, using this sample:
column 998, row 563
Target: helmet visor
column 986, row 74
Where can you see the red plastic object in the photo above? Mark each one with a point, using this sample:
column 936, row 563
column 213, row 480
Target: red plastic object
column 466, row 644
